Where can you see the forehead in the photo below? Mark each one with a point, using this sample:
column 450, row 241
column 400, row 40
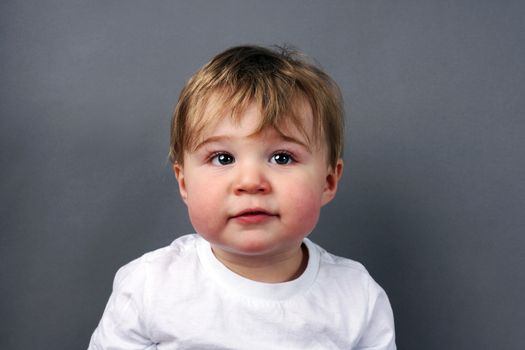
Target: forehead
column 218, row 115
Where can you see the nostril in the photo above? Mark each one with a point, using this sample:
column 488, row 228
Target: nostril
column 261, row 187
column 251, row 179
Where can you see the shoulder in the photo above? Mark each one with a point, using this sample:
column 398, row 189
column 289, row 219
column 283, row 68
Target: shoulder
column 157, row 262
column 347, row 276
column 339, row 267
column 128, row 313
column 351, row 288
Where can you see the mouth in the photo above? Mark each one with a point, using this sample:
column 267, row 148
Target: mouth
column 253, row 216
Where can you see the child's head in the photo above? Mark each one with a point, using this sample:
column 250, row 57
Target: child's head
column 256, row 142
column 275, row 80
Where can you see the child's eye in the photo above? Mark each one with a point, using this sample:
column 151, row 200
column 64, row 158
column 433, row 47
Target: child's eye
column 222, row 159
column 282, row 158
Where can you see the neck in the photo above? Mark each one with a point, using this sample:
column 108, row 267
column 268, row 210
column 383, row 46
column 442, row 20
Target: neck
column 282, row 267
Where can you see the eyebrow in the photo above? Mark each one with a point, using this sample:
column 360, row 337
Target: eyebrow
column 294, row 140
column 220, row 138
column 212, row 139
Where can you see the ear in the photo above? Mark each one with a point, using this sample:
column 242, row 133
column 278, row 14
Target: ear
column 332, row 179
column 178, row 170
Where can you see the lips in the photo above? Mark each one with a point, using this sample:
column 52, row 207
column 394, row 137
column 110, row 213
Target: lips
column 252, row 216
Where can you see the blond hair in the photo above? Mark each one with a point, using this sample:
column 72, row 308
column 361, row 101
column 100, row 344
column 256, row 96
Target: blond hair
column 276, row 80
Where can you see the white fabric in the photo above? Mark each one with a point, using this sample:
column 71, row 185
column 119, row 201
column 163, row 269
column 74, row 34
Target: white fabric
column 182, row 297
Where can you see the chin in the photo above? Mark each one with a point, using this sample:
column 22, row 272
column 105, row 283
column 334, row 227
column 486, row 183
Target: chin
column 250, row 248
column 259, row 247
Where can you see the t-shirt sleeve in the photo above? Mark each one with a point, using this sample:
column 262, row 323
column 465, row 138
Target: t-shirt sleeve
column 123, row 324
column 379, row 332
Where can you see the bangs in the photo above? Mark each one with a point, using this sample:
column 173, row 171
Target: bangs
column 281, row 113
column 279, row 82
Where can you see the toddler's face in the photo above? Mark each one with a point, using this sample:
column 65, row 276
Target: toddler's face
column 255, row 194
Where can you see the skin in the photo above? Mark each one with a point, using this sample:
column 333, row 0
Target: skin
column 256, row 196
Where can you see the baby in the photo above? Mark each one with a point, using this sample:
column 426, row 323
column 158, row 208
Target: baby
column 256, row 145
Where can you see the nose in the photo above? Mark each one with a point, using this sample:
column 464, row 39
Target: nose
column 251, row 179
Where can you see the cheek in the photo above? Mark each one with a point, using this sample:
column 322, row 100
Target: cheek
column 304, row 206
column 204, row 208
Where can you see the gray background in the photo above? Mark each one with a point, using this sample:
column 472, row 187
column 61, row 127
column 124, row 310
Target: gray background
column 431, row 201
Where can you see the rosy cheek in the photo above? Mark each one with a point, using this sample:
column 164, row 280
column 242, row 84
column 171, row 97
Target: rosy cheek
column 204, row 211
column 307, row 203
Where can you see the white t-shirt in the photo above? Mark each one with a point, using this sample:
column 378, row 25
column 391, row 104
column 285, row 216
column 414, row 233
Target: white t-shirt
column 182, row 297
